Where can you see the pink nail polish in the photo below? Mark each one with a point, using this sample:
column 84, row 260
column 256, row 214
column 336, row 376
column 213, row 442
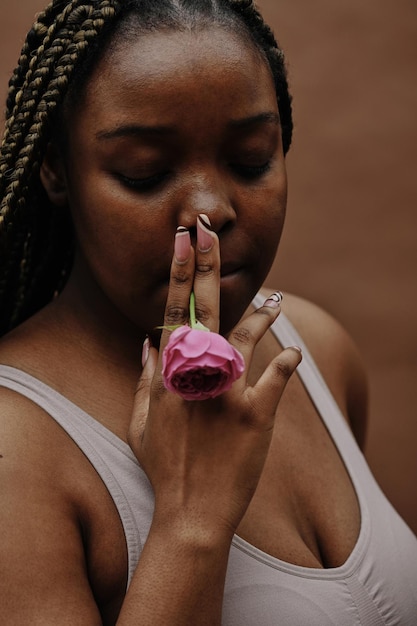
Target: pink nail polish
column 204, row 236
column 145, row 351
column 182, row 246
column 274, row 300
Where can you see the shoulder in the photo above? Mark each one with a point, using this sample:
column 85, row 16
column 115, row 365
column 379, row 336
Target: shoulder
column 336, row 356
column 321, row 332
column 42, row 505
column 33, row 445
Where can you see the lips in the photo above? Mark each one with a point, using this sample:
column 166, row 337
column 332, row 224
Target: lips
column 229, row 268
column 226, row 270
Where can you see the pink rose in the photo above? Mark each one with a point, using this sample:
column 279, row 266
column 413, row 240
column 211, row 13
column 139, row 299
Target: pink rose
column 198, row 364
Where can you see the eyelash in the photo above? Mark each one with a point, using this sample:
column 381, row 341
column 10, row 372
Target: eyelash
column 142, row 184
column 251, row 172
column 247, row 172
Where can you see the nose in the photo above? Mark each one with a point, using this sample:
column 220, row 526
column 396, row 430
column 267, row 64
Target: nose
column 209, row 194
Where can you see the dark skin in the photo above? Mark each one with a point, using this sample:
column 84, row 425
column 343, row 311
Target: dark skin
column 216, row 151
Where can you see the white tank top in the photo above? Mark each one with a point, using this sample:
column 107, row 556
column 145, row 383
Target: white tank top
column 376, row 586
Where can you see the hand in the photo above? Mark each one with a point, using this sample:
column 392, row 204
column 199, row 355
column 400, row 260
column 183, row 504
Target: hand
column 204, row 459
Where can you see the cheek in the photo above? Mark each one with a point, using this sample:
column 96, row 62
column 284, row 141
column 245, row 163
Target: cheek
column 268, row 208
column 121, row 241
column 270, row 223
column 108, row 235
column 101, row 217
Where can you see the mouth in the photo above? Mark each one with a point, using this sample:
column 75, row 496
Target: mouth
column 226, row 270
column 231, row 277
column 230, row 269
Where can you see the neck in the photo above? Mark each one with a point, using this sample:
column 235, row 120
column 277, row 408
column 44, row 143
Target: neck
column 106, row 334
column 96, row 352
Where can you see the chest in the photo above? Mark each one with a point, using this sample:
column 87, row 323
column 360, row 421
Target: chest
column 304, row 510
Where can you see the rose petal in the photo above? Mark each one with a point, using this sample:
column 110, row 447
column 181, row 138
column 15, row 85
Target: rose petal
column 199, row 365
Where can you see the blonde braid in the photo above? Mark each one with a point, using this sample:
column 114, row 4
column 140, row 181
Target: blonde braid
column 25, row 87
column 29, row 245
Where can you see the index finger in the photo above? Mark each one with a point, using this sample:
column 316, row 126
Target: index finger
column 177, row 308
column 207, row 275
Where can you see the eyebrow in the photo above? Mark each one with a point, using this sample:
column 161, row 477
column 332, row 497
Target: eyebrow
column 267, row 117
column 138, row 130
column 129, row 130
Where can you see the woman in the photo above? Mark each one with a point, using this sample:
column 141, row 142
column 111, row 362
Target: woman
column 144, row 160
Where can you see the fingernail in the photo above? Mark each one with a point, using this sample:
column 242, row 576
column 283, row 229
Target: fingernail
column 182, row 246
column 145, row 351
column 204, row 236
column 297, row 349
column 274, row 300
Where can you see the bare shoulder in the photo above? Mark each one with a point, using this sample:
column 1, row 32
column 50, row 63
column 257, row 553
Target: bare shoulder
column 321, row 332
column 336, row 356
column 41, row 546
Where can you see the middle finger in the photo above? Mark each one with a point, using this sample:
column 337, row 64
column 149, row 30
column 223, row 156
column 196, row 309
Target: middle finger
column 207, row 274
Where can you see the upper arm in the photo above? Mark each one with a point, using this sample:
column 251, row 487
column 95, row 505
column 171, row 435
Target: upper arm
column 337, row 359
column 43, row 575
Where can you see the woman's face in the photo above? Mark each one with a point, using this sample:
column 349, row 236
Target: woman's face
column 173, row 125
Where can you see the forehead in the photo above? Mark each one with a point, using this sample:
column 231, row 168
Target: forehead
column 168, row 66
column 169, row 46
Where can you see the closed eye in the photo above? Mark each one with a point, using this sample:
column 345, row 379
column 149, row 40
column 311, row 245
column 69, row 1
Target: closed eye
column 143, row 184
column 251, row 172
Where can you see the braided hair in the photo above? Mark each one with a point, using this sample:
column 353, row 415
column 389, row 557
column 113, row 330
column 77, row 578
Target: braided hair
column 59, row 55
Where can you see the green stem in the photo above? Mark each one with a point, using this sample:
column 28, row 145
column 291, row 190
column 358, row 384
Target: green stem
column 193, row 320
column 194, row 323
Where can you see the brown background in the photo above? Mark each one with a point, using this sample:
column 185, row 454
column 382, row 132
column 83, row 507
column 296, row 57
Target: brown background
column 351, row 234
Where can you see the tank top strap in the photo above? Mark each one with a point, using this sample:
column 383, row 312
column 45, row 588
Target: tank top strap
column 110, row 456
column 314, row 384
